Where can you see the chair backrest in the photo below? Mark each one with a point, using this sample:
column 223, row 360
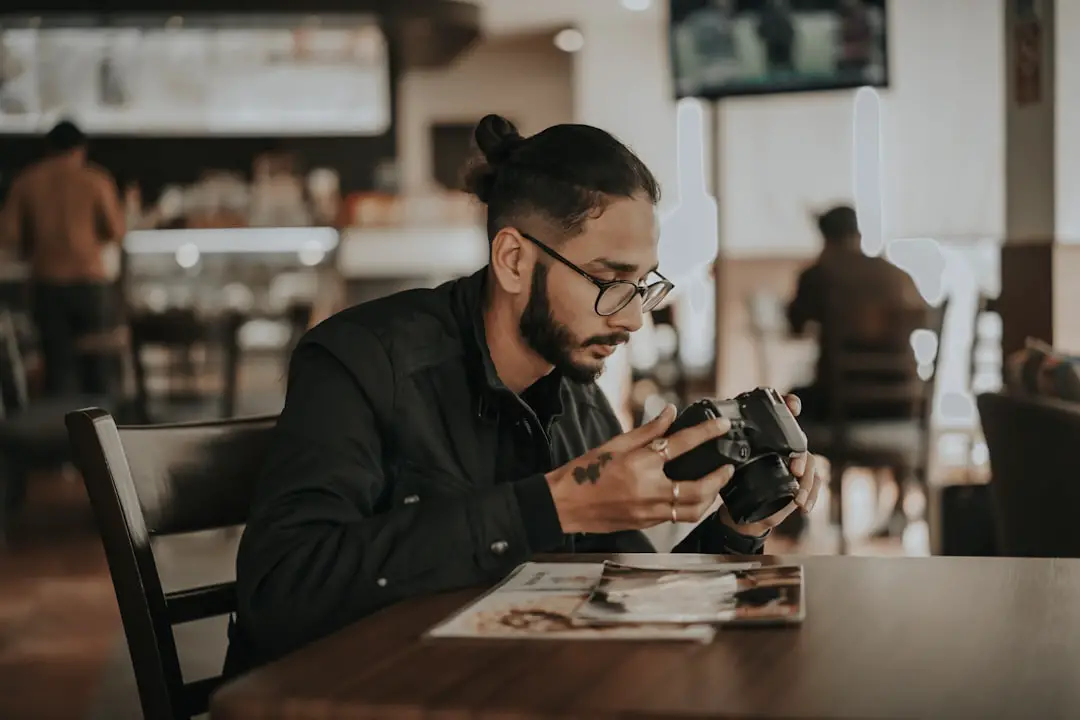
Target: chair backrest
column 147, row 481
column 768, row 323
column 1033, row 486
column 870, row 360
column 180, row 329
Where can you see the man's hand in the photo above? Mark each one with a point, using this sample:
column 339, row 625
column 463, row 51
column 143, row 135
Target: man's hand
column 621, row 485
column 809, row 469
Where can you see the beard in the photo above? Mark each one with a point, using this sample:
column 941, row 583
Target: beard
column 552, row 340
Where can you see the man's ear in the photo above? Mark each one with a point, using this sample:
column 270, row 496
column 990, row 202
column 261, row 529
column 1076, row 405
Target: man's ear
column 511, row 261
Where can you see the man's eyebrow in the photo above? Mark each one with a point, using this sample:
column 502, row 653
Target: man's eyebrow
column 621, row 267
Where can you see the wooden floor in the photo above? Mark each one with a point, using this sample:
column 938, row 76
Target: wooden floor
column 58, row 617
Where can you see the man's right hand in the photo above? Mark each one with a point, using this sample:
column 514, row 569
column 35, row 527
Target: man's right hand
column 621, row 485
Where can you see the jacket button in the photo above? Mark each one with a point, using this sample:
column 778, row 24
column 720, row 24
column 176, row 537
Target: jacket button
column 499, row 547
column 410, row 499
column 381, row 582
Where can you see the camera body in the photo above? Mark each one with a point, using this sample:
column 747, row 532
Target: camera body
column 763, row 435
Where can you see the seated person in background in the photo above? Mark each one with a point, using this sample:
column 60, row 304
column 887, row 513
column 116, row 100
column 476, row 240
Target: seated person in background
column 435, row 439
column 844, row 273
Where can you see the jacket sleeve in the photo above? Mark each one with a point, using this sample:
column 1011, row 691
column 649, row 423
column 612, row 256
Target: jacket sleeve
column 327, row 544
column 808, row 304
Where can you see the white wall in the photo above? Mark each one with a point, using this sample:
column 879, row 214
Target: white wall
column 524, row 78
column 785, row 157
column 622, row 83
column 1067, row 100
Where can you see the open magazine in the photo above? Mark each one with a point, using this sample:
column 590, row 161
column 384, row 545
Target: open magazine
column 542, row 601
column 722, row 595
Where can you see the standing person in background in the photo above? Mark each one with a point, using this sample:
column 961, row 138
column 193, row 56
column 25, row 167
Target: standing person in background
column 60, row 213
column 856, row 38
column 705, row 48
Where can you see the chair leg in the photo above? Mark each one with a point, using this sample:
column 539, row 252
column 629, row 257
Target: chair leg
column 12, row 494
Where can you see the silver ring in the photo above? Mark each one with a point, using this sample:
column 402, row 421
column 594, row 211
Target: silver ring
column 674, row 492
column 660, row 445
column 674, row 513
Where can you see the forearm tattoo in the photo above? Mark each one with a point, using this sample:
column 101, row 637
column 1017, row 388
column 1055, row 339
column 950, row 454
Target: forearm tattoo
column 591, row 472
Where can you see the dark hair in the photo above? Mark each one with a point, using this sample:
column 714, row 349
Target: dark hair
column 566, row 174
column 839, row 224
column 65, row 136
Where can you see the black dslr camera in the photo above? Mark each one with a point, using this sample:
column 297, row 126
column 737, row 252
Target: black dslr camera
column 764, row 434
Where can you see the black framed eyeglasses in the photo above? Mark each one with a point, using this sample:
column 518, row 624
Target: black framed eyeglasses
column 614, row 295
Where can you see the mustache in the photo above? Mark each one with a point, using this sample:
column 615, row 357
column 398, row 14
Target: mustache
column 613, row 339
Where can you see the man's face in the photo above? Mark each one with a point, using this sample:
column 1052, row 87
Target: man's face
column 559, row 321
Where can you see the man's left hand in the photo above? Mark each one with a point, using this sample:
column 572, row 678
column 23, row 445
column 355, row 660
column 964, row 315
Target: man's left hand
column 809, row 469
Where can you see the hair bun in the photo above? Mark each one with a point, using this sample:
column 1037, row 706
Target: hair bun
column 497, row 138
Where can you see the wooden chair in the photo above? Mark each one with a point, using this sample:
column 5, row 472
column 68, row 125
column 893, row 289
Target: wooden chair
column 1033, row 488
column 872, row 364
column 148, row 482
column 32, row 433
column 178, row 331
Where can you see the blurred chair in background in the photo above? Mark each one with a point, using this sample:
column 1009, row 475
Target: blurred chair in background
column 32, row 433
column 878, row 406
column 196, row 350
column 1033, row 488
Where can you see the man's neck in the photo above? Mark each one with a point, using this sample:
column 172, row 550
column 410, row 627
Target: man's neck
column 517, row 365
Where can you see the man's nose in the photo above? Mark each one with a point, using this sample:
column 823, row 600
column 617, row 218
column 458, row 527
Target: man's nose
column 630, row 318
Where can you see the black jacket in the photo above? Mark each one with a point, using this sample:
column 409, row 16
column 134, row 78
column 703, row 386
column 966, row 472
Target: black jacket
column 380, row 484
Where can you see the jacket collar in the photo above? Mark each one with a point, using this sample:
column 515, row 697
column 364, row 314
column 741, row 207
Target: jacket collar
column 469, row 299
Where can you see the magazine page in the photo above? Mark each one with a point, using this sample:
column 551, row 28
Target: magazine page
column 540, row 600
column 723, row 595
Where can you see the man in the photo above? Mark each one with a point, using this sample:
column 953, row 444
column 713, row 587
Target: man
column 843, row 271
column 60, row 212
column 856, row 38
column 705, row 48
column 435, row 439
column 776, row 29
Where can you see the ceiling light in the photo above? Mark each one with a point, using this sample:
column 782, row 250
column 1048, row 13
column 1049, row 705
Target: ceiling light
column 569, row 40
column 636, row 5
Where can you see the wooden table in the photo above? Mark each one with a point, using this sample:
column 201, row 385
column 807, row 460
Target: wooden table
column 883, row 638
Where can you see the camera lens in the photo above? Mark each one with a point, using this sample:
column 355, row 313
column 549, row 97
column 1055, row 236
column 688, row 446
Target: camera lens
column 761, row 488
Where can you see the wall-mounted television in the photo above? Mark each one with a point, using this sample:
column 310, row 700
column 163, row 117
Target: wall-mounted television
column 725, row 48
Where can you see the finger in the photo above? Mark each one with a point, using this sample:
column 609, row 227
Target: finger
column 806, row 482
column 818, row 481
column 714, row 482
column 779, row 517
column 704, row 489
column 645, row 434
column 689, row 438
column 794, row 404
column 798, row 464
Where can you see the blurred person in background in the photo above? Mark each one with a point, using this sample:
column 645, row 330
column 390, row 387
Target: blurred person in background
column 60, row 213
column 705, row 47
column 844, row 271
column 776, row 29
column 856, row 38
